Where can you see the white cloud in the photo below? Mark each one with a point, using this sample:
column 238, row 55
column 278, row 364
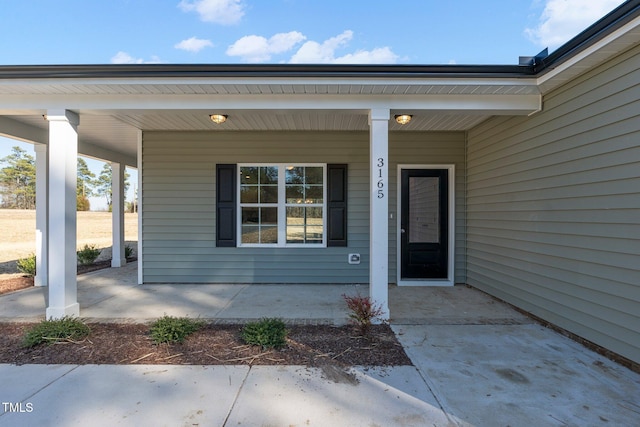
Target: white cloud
column 382, row 55
column 225, row 12
column 193, row 44
column 325, row 53
column 321, row 53
column 259, row 49
column 124, row 58
column 562, row 20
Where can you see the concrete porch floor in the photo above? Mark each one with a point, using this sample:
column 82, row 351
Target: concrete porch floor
column 113, row 295
column 477, row 362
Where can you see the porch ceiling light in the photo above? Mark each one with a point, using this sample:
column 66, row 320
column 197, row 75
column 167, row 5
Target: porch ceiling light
column 218, row 118
column 403, row 119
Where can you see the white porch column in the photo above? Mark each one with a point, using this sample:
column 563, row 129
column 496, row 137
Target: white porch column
column 63, row 163
column 379, row 208
column 42, row 210
column 139, row 209
column 118, row 258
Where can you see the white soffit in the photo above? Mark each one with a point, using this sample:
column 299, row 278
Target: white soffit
column 268, row 86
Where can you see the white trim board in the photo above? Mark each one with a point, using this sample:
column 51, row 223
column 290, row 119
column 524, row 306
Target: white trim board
column 450, row 280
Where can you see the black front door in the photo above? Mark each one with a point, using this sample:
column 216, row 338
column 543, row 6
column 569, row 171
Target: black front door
column 424, row 223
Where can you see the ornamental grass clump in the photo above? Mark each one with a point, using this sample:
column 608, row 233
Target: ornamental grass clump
column 88, row 254
column 267, row 333
column 173, row 329
column 128, row 252
column 27, row 265
column 54, row 331
column 363, row 312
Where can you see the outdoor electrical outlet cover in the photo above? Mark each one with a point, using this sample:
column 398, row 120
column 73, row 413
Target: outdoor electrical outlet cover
column 354, row 258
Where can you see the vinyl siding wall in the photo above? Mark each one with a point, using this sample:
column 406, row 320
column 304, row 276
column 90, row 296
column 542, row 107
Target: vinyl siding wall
column 554, row 207
column 179, row 203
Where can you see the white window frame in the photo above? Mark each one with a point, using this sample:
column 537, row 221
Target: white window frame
column 282, row 207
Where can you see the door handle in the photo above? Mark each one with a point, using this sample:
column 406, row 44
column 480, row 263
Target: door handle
column 402, row 231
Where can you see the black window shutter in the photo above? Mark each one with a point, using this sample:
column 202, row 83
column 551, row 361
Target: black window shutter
column 337, row 205
column 226, row 205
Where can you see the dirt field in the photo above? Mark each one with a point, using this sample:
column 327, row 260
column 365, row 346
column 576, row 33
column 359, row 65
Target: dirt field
column 17, row 234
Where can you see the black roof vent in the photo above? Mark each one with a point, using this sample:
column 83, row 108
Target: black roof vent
column 533, row 60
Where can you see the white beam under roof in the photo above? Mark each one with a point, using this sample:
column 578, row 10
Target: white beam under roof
column 16, row 129
column 491, row 104
column 104, row 154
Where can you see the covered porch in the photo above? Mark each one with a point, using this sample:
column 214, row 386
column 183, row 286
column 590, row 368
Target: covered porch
column 124, row 113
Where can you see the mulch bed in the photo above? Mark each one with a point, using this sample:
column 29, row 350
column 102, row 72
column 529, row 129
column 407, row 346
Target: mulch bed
column 15, row 284
column 309, row 345
column 118, row 343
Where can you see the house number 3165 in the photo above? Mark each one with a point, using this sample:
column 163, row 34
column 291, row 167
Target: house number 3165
column 380, row 164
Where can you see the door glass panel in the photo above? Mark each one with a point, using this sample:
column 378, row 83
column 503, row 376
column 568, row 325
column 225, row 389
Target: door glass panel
column 424, row 211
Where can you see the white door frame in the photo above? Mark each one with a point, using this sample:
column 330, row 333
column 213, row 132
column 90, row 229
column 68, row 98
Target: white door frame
column 450, row 280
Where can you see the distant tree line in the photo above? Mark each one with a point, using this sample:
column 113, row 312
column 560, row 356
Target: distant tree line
column 18, row 182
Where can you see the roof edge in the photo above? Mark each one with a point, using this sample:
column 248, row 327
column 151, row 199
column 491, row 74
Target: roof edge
column 617, row 18
column 261, row 70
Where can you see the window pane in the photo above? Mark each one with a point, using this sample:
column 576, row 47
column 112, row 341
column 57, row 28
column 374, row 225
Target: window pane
column 294, row 175
column 315, row 226
column 314, row 215
column 314, row 235
column 295, row 194
column 313, row 175
column 424, row 210
column 268, row 175
column 249, row 194
column 295, row 216
column 268, row 194
column 313, row 194
column 269, row 234
column 248, row 175
column 269, row 216
column 250, row 216
column 295, row 234
column 250, row 234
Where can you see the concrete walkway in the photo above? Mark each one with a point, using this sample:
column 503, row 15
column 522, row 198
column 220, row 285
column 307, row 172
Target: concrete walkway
column 477, row 363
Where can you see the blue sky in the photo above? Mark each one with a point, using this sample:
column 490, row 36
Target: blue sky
column 286, row 31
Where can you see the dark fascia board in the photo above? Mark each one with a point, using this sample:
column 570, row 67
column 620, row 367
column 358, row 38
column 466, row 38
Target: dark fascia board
column 612, row 21
column 618, row 17
column 126, row 71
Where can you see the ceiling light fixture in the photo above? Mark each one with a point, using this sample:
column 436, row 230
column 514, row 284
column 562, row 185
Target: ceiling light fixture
column 403, row 119
column 218, row 118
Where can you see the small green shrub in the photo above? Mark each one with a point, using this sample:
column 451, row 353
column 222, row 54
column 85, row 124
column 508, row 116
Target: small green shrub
column 88, row 254
column 363, row 312
column 128, row 251
column 268, row 333
column 173, row 329
column 51, row 331
column 27, row 265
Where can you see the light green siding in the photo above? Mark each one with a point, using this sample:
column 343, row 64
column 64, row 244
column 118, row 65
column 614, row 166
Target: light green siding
column 179, row 203
column 553, row 218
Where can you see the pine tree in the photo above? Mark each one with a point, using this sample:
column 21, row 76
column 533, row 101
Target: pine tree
column 18, row 180
column 103, row 183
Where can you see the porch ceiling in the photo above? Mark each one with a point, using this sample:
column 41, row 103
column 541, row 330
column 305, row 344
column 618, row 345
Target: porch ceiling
column 118, row 131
